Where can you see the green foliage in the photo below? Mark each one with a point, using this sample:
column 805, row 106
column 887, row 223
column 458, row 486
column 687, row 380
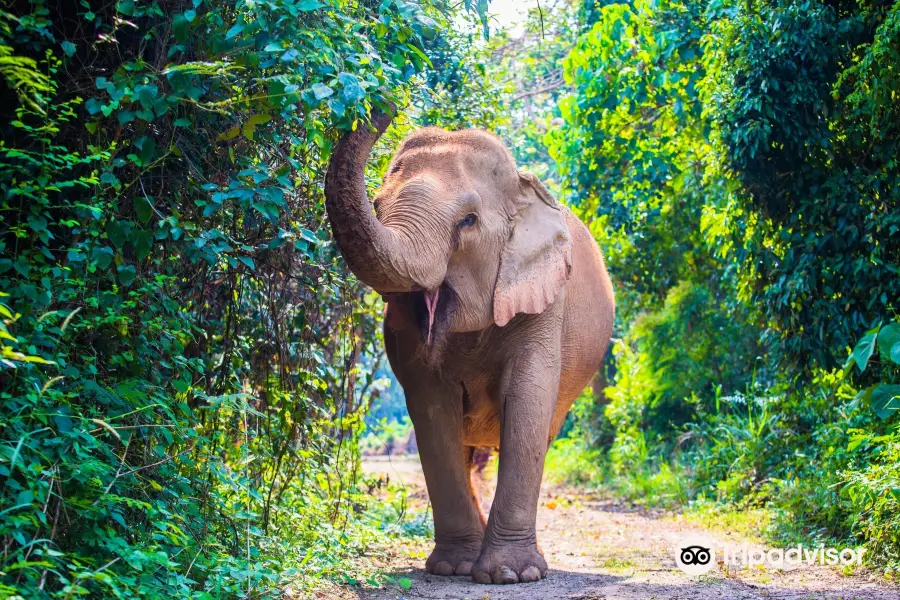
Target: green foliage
column 873, row 490
column 570, row 460
column 184, row 358
column 679, row 359
column 793, row 95
column 737, row 163
column 631, row 150
column 463, row 88
column 387, row 436
column 884, row 396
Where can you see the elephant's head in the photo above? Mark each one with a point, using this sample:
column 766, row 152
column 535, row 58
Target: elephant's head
column 468, row 239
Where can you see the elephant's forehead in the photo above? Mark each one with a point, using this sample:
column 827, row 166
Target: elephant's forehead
column 452, row 160
column 463, row 140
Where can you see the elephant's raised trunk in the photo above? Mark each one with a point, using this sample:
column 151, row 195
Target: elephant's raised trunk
column 368, row 247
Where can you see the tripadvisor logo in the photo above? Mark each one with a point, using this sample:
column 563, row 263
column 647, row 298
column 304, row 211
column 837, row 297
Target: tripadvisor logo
column 696, row 555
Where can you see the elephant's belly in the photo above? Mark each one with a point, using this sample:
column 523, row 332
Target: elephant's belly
column 481, row 412
column 481, row 419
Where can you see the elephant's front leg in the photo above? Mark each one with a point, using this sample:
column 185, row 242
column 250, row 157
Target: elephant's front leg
column 510, row 553
column 436, row 412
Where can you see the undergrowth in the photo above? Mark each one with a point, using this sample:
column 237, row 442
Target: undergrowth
column 185, row 360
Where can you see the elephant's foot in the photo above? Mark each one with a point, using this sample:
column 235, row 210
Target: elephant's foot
column 453, row 559
column 510, row 563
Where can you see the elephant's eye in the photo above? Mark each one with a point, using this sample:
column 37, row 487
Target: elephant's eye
column 468, row 221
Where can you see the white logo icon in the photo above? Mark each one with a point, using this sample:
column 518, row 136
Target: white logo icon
column 695, row 555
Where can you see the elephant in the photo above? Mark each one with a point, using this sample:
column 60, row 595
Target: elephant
column 499, row 311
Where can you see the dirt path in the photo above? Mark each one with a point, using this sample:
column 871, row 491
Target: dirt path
column 600, row 550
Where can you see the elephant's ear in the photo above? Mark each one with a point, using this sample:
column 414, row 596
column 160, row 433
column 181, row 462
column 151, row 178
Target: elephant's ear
column 537, row 259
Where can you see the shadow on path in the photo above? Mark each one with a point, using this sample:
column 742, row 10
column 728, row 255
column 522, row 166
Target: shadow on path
column 575, row 585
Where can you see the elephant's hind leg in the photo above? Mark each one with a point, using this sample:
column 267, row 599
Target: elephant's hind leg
column 478, row 458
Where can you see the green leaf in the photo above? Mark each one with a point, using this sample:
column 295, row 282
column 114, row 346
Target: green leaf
column 230, row 134
column 181, row 28
column 352, row 91
column 273, row 194
column 405, row 582
column 895, row 353
column 126, row 7
column 322, row 91
column 117, row 517
column 856, row 441
column 69, row 48
column 102, row 256
column 37, row 224
column 248, row 261
column 38, row 360
column 309, row 5
column 92, row 106
column 267, row 210
column 259, row 119
column 885, row 400
column 127, row 274
column 63, row 423
column 117, row 231
column 142, row 239
column 146, row 94
column 863, row 351
column 143, row 208
column 235, row 31
column 309, row 236
column 249, row 128
column 337, row 106
column 888, row 337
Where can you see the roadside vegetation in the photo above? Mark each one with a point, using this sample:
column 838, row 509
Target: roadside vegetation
column 185, row 360
column 738, row 164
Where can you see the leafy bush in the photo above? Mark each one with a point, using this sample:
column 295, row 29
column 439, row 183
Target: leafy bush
column 737, row 163
column 791, row 90
column 571, row 460
column 873, row 490
column 386, row 437
column 183, row 353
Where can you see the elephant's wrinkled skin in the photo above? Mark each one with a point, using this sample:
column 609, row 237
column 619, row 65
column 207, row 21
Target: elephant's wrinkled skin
column 499, row 313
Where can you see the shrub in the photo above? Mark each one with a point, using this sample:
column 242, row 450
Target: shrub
column 181, row 367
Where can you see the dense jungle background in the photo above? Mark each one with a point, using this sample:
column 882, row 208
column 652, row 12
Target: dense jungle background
column 186, row 363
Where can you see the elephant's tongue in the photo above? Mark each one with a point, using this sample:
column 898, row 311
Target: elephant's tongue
column 431, row 300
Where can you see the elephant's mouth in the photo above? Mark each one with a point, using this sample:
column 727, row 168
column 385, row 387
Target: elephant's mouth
column 431, row 300
column 434, row 308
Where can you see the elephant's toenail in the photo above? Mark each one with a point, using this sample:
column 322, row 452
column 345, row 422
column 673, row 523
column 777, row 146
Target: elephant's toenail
column 531, row 573
column 505, row 575
column 443, row 568
column 483, row 577
column 464, row 568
